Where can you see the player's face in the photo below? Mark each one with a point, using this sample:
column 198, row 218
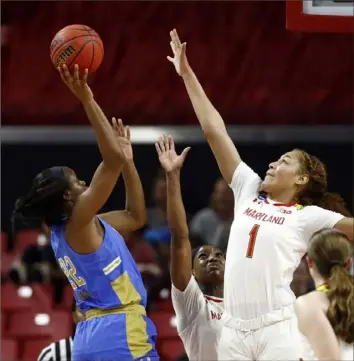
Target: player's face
column 76, row 186
column 284, row 173
column 209, row 264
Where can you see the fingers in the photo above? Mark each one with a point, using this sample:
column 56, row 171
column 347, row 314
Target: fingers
column 85, row 76
column 183, row 49
column 175, row 39
column 128, row 132
column 115, row 125
column 76, row 73
column 166, row 142
column 171, row 143
column 162, row 144
column 170, row 59
column 158, row 150
column 66, row 76
column 185, row 152
column 121, row 128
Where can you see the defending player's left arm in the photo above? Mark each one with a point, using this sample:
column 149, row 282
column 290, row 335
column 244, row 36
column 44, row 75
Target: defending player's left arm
column 134, row 216
column 315, row 326
column 346, row 225
column 181, row 263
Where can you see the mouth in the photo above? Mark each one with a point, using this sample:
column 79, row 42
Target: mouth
column 214, row 267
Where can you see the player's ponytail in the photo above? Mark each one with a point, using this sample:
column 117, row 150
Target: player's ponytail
column 44, row 202
column 315, row 191
column 332, row 252
column 341, row 297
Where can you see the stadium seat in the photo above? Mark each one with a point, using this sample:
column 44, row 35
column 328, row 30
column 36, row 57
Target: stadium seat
column 164, row 305
column 17, row 298
column 6, row 262
column 25, row 238
column 31, row 325
column 9, row 350
column 165, row 324
column 4, row 244
column 3, row 323
column 170, row 350
column 32, row 349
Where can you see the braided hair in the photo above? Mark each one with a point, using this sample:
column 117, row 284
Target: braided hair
column 44, row 202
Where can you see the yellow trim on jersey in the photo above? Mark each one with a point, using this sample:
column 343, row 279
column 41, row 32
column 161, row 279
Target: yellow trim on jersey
column 125, row 290
column 134, row 308
column 112, row 266
column 137, row 336
column 322, row 288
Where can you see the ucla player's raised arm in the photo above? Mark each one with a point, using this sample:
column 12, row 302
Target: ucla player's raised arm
column 134, row 216
column 209, row 118
column 181, row 264
column 106, row 175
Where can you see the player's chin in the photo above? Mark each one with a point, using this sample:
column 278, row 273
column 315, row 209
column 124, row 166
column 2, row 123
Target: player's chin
column 216, row 273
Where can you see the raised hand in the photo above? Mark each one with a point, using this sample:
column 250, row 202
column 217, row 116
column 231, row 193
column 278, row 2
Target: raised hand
column 77, row 86
column 179, row 59
column 168, row 157
column 122, row 134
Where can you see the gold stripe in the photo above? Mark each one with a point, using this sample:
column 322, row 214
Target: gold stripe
column 113, row 265
column 95, row 312
column 125, row 290
column 137, row 336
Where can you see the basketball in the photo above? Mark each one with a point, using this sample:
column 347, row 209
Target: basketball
column 77, row 44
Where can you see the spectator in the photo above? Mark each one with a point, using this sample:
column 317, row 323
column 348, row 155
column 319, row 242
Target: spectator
column 212, row 224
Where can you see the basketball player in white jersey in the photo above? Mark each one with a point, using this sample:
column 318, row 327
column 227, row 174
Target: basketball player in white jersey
column 326, row 316
column 198, row 276
column 274, row 220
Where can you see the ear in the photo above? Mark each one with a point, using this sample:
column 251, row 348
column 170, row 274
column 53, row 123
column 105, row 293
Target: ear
column 302, row 179
column 67, row 195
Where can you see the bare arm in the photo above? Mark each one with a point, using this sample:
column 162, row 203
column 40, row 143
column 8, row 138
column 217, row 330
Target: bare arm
column 209, row 118
column 314, row 325
column 346, row 225
column 181, row 263
column 134, row 216
column 106, row 175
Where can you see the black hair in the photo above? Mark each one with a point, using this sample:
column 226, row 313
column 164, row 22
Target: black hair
column 73, row 305
column 44, row 202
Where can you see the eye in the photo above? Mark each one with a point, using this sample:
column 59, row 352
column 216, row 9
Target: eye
column 202, row 256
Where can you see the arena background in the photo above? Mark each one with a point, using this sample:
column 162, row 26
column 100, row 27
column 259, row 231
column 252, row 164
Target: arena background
column 276, row 89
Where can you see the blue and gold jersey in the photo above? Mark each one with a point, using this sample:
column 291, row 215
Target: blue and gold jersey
column 106, row 279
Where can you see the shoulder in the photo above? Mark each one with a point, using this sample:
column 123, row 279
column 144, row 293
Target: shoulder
column 310, row 304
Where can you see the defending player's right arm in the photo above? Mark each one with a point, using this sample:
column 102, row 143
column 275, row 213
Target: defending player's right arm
column 106, row 175
column 209, row 118
column 181, row 263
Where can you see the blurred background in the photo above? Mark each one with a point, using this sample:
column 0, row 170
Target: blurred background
column 281, row 76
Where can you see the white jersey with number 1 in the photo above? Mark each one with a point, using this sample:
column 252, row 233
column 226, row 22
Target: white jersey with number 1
column 198, row 321
column 267, row 241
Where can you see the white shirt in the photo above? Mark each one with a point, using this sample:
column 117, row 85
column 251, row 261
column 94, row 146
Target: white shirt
column 198, row 321
column 258, row 281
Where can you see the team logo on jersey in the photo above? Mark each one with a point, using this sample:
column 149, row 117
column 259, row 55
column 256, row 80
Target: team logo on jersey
column 262, row 197
column 298, row 207
column 83, row 295
column 284, row 211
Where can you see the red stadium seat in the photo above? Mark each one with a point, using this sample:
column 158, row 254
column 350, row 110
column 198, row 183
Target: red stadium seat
column 165, row 324
column 32, row 349
column 3, row 323
column 31, row 325
column 170, row 350
column 9, row 350
column 16, row 298
column 4, row 244
column 164, row 305
column 6, row 262
column 26, row 238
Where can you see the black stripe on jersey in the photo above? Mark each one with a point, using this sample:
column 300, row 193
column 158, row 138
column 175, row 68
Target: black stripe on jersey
column 45, row 354
column 68, row 349
column 57, row 351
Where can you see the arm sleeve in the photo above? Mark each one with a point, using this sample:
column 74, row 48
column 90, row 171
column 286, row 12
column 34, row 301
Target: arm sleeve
column 314, row 219
column 187, row 304
column 245, row 183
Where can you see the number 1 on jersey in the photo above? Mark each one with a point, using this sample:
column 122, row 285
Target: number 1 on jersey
column 252, row 241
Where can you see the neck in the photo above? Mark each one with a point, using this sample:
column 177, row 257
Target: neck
column 282, row 197
column 318, row 281
column 214, row 290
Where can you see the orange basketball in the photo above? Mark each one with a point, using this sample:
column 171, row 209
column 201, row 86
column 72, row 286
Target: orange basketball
column 77, row 44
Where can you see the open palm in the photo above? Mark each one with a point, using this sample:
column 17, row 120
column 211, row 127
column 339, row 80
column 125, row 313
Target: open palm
column 168, row 157
column 179, row 59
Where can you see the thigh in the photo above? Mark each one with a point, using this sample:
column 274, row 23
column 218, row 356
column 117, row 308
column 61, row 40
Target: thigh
column 232, row 345
column 280, row 342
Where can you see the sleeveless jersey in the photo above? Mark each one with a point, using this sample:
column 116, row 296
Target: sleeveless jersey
column 346, row 350
column 107, row 278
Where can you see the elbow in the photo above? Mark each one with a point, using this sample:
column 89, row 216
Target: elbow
column 139, row 221
column 213, row 132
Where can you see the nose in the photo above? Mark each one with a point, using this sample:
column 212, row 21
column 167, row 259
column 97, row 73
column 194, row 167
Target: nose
column 272, row 165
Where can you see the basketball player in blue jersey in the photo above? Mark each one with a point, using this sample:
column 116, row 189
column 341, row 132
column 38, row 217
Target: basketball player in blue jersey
column 107, row 284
